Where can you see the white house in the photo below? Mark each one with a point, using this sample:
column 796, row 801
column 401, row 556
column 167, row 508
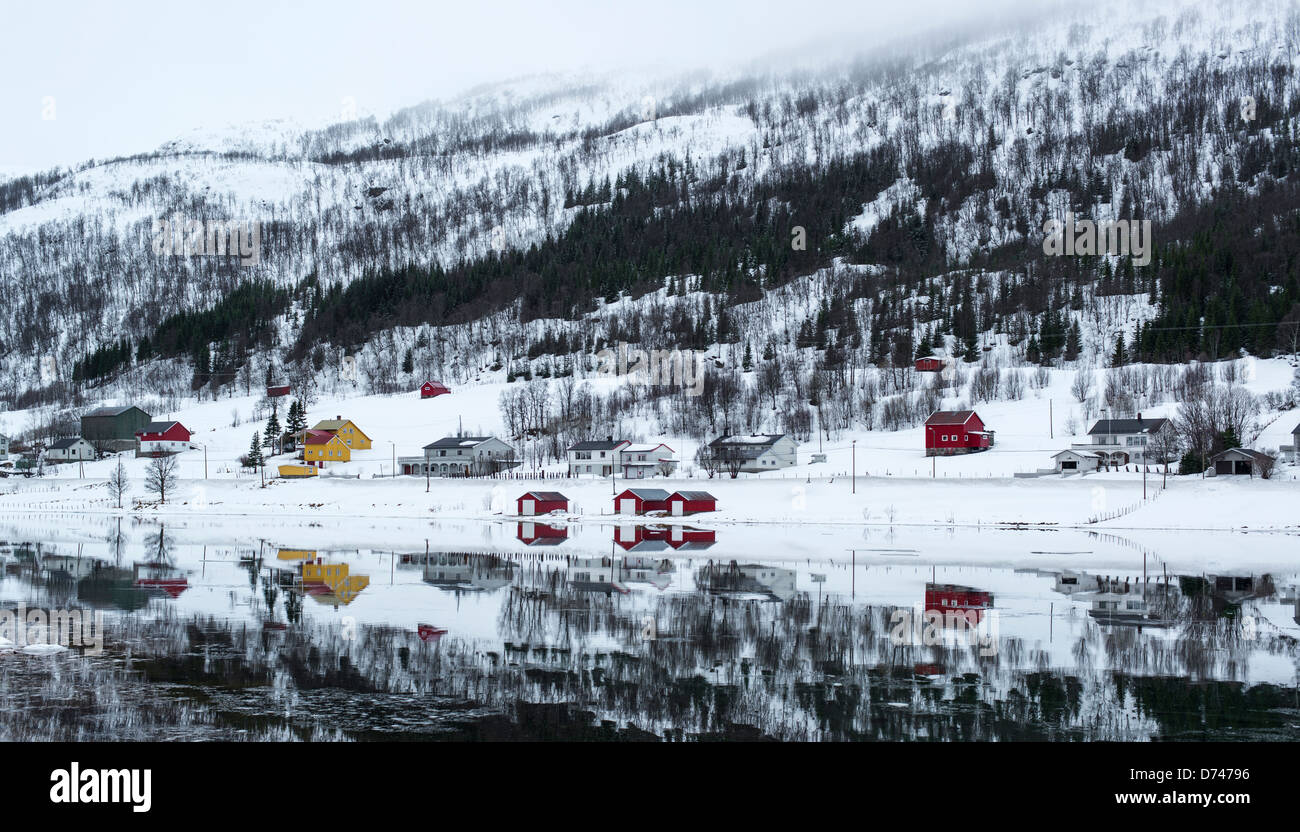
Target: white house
column 1071, row 461
column 70, row 450
column 4, row 445
column 755, row 452
column 1121, row 441
column 636, row 462
column 468, row 455
column 595, row 457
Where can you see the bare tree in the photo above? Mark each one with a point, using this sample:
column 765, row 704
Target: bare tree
column 118, row 483
column 160, row 476
column 1082, row 386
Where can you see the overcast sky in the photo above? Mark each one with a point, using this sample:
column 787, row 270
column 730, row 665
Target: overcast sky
column 90, row 79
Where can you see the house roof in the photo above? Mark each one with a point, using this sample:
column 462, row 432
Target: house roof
column 759, row 439
column 319, row 437
column 1110, row 426
column 1086, row 454
column 598, row 445
column 695, row 495
column 950, row 417
column 111, row 411
column 158, row 427
column 643, row 449
column 548, row 496
column 1247, row 452
column 647, row 493
column 66, row 443
column 1296, row 430
column 458, row 442
column 336, row 424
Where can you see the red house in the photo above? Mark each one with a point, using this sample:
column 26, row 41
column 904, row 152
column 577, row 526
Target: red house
column 640, row 501
column 540, row 534
column 967, row 601
column 157, row 438
column 929, row 364
column 690, row 502
column 431, row 389
column 542, row 502
column 275, row 391
column 949, row 432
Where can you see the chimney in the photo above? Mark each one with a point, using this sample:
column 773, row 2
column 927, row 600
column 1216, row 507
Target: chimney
column 338, row 418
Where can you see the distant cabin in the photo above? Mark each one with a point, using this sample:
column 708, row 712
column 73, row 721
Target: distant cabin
column 929, row 364
column 640, row 501
column 532, row 503
column 433, row 389
column 275, row 391
column 949, row 432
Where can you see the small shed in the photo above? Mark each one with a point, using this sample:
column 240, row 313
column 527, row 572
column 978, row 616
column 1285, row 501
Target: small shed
column 275, row 391
column 432, row 389
column 691, row 502
column 929, row 364
column 640, row 501
column 1071, row 461
column 532, row 503
column 1241, row 462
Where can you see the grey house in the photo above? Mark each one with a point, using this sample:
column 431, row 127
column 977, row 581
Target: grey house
column 113, row 428
column 467, row 456
column 755, row 452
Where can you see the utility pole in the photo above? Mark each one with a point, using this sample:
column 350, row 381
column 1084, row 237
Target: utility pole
column 1051, row 428
column 855, row 466
column 205, row 461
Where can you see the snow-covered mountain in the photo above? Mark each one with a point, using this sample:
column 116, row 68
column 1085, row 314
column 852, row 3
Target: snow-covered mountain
column 922, row 174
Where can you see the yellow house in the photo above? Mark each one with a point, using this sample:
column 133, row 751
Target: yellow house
column 322, row 447
column 346, row 431
column 331, row 583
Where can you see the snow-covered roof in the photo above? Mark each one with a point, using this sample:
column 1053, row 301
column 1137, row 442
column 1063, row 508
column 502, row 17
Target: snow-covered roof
column 66, row 443
column 1114, row 426
column 950, row 417
column 750, row 439
column 458, row 442
column 597, row 444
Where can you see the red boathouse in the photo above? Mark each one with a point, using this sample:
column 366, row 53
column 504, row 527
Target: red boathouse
column 641, row 500
column 532, row 503
column 950, row 432
column 690, row 502
column 431, row 389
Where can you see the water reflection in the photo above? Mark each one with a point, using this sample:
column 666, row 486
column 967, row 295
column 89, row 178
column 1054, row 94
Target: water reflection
column 653, row 638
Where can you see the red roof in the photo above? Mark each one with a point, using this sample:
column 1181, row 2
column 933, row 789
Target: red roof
column 318, row 437
column 950, row 417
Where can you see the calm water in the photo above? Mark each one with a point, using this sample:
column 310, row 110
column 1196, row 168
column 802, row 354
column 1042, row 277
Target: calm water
column 345, row 630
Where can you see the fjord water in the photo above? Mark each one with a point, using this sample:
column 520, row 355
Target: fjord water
column 340, row 629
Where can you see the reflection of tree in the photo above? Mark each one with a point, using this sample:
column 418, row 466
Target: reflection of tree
column 157, row 546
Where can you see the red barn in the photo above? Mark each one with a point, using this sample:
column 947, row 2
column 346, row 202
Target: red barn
column 540, row 534
column 275, row 391
column 157, row 438
column 690, row 502
column 431, row 389
column 542, row 502
column 929, row 364
column 641, row 500
column 950, row 432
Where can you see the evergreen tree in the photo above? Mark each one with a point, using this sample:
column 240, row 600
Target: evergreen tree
column 748, row 362
column 272, row 434
column 408, row 362
column 972, row 347
column 1073, row 343
column 1229, row 439
column 255, row 458
column 297, row 422
column 1121, row 355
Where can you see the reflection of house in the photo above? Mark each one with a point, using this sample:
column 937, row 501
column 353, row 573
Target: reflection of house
column 1240, row 462
column 1120, row 608
column 1119, row 441
column 295, row 554
column 949, row 432
column 775, row 582
column 162, row 578
column 971, row 603
column 594, row 457
column 641, row 538
column 460, row 572
column 640, row 501
column 687, row 539
column 1237, row 588
column 4, row 445
column 754, row 453
column 595, row 575
column 1068, row 582
column 540, row 534
column 532, row 503
column 332, row 583
column 70, row 450
column 641, row 570
column 464, row 456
